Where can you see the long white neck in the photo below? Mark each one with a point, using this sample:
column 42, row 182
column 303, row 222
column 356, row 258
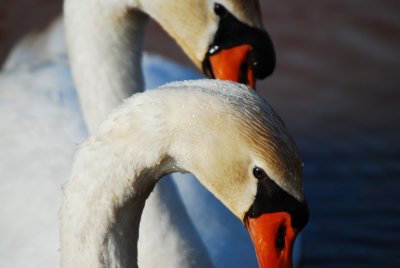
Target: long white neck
column 113, row 175
column 105, row 45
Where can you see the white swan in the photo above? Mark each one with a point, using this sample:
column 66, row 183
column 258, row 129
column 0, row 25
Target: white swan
column 223, row 133
column 101, row 39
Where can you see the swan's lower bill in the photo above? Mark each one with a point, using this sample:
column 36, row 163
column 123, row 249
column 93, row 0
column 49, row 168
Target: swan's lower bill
column 233, row 64
column 273, row 238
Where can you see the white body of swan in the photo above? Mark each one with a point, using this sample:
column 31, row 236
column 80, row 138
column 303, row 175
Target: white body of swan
column 43, row 123
column 219, row 131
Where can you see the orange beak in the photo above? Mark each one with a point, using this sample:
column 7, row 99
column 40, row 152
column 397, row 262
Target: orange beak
column 234, row 64
column 273, row 238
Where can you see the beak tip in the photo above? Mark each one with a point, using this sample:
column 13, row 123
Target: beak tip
column 273, row 239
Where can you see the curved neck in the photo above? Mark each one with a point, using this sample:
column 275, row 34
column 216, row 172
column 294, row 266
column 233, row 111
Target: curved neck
column 100, row 227
column 105, row 45
column 114, row 173
column 106, row 193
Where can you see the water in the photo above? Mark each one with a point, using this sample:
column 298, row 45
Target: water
column 336, row 87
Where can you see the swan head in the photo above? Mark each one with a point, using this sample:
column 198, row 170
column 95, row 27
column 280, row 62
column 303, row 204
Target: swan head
column 251, row 164
column 224, row 38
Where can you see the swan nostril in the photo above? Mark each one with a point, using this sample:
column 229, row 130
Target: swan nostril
column 280, row 237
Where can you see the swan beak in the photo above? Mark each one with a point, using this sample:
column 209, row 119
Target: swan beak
column 233, row 64
column 273, row 238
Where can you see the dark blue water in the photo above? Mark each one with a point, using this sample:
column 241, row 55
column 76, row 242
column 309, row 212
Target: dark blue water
column 353, row 193
column 337, row 86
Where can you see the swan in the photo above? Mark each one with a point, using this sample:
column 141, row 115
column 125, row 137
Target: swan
column 105, row 46
column 223, row 133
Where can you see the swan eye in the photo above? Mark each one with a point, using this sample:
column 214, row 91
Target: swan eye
column 259, row 173
column 280, row 238
column 219, row 9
